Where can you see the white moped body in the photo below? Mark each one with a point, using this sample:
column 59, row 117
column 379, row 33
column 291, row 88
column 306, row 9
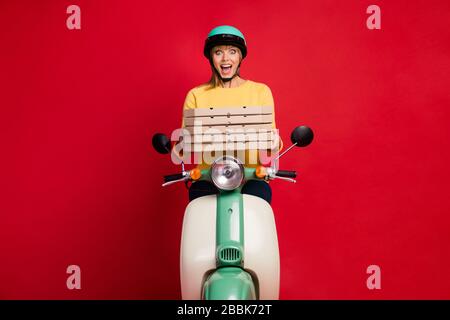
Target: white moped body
column 198, row 246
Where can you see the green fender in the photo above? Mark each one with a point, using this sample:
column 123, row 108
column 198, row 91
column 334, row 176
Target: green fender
column 229, row 283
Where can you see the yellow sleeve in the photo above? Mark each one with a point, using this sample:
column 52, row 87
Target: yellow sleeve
column 189, row 103
column 267, row 100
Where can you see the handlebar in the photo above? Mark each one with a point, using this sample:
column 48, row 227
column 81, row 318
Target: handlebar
column 271, row 174
column 173, row 177
column 286, row 173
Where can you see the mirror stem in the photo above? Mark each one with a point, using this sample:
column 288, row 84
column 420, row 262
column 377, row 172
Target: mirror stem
column 275, row 161
column 285, row 151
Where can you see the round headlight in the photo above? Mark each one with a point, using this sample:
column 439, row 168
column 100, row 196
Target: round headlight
column 227, row 173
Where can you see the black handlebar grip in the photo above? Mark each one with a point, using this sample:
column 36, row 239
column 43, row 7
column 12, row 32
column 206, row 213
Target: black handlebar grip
column 172, row 177
column 286, row 173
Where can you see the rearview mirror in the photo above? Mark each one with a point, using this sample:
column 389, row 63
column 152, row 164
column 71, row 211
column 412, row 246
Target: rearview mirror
column 161, row 143
column 302, row 136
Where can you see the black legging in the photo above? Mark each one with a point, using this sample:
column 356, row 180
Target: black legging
column 257, row 188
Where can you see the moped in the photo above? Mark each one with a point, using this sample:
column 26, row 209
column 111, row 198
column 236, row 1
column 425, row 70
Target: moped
column 229, row 244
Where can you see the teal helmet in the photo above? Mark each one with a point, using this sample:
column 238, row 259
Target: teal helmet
column 225, row 35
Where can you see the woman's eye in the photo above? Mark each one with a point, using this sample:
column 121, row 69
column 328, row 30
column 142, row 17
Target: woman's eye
column 218, row 52
column 232, row 51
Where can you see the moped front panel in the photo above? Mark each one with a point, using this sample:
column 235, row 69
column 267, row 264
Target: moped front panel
column 198, row 245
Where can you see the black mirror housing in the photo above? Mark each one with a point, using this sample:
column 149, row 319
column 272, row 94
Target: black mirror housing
column 161, row 143
column 302, row 136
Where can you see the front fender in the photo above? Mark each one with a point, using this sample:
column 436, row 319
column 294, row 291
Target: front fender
column 229, row 283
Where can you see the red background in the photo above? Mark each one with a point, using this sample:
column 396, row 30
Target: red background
column 80, row 184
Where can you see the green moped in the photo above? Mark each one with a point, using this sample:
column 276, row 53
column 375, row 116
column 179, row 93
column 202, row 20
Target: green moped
column 229, row 243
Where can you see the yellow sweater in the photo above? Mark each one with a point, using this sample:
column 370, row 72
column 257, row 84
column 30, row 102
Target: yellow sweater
column 249, row 93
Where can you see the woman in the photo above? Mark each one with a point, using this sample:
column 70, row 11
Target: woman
column 225, row 48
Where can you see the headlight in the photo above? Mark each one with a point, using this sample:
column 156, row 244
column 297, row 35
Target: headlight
column 227, row 173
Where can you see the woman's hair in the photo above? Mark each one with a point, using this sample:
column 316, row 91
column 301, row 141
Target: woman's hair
column 214, row 81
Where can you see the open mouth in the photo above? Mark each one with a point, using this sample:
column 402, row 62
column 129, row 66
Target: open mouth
column 226, row 68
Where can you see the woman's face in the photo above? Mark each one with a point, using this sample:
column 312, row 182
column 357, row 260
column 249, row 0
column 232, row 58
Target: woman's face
column 226, row 60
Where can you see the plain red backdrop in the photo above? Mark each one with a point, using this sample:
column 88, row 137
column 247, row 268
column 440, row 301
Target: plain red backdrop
column 81, row 185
